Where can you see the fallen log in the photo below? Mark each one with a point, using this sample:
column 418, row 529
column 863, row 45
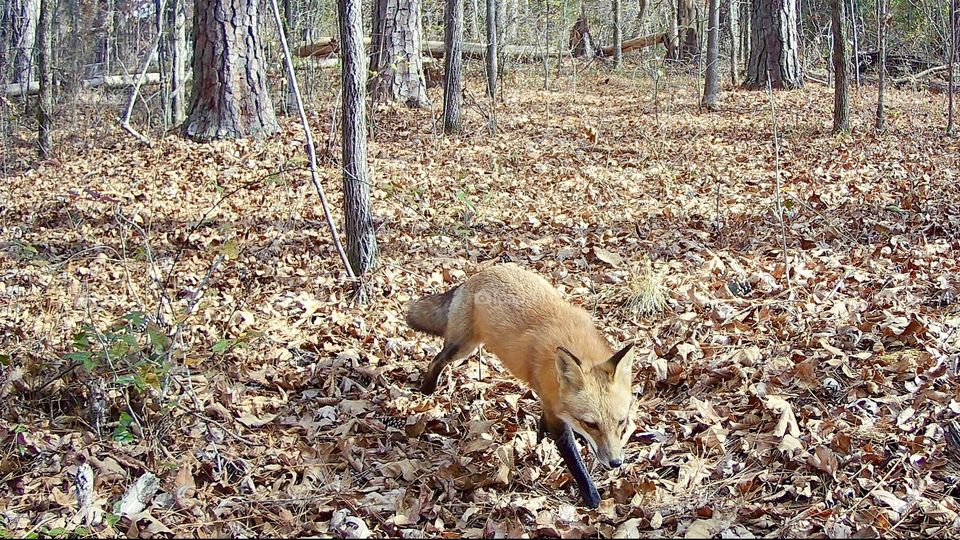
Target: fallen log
column 18, row 89
column 478, row 51
column 108, row 81
column 328, row 46
column 924, row 73
column 636, row 43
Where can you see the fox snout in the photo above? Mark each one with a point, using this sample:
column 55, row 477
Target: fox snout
column 611, row 455
column 611, row 460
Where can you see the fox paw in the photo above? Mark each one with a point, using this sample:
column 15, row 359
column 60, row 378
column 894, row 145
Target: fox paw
column 591, row 498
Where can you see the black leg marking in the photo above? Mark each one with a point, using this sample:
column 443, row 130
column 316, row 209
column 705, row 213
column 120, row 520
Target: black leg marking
column 449, row 351
column 571, row 456
column 564, row 438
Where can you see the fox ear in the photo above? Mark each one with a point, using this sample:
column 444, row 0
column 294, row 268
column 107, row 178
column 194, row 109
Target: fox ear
column 621, row 363
column 569, row 370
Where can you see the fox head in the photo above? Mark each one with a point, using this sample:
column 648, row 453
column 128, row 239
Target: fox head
column 596, row 401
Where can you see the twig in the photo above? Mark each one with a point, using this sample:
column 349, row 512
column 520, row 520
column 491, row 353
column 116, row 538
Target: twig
column 125, row 121
column 776, row 146
column 311, row 151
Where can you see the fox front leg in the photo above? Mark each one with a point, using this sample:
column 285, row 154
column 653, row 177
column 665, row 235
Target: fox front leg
column 562, row 435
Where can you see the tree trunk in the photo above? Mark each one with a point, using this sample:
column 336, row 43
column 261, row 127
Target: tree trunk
column 24, row 15
column 882, row 41
column 45, row 103
column 453, row 66
column 230, row 97
column 395, row 53
column 952, row 49
column 775, row 45
column 673, row 32
column 491, row 48
column 289, row 25
column 856, row 42
column 841, row 108
column 104, row 29
column 178, row 60
column 734, row 41
column 473, row 34
column 617, row 35
column 360, row 234
column 642, row 7
column 689, row 41
column 746, row 34
column 711, row 83
column 581, row 41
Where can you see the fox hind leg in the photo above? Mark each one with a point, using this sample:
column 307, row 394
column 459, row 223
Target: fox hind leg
column 453, row 351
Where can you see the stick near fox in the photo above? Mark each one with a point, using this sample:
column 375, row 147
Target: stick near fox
column 551, row 345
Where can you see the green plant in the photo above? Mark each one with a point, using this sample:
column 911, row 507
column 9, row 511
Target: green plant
column 132, row 354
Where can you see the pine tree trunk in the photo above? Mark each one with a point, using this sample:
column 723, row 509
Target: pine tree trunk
column 710, row 87
column 230, row 97
column 24, row 15
column 617, row 35
column 841, row 107
column 453, row 66
column 775, row 45
column 882, row 40
column 491, row 58
column 178, row 60
column 361, row 242
column 581, row 41
column 45, row 103
column 395, row 53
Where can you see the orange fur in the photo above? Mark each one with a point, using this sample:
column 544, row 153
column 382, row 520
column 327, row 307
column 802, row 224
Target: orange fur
column 544, row 341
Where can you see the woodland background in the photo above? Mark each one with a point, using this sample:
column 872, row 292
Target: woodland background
column 183, row 351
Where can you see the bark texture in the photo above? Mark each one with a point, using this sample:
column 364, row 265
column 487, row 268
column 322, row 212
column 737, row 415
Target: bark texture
column 45, row 103
column 395, row 56
column 882, row 40
column 581, row 41
column 775, row 45
column 735, row 63
column 642, row 7
column 841, row 107
column 361, row 242
column 453, row 66
column 689, row 41
column 23, row 16
column 711, row 84
column 178, row 60
column 617, row 35
column 491, row 59
column 952, row 52
column 230, row 96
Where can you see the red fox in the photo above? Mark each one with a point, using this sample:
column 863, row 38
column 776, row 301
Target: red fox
column 549, row 344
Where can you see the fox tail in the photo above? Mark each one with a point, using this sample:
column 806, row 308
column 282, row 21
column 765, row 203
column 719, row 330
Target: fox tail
column 430, row 313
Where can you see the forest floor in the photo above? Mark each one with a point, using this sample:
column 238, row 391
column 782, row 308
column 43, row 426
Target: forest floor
column 193, row 291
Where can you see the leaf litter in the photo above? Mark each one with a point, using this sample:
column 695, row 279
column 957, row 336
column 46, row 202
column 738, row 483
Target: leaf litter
column 825, row 409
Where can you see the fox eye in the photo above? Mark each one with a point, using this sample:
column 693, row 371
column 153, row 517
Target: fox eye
column 623, row 423
column 592, row 426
